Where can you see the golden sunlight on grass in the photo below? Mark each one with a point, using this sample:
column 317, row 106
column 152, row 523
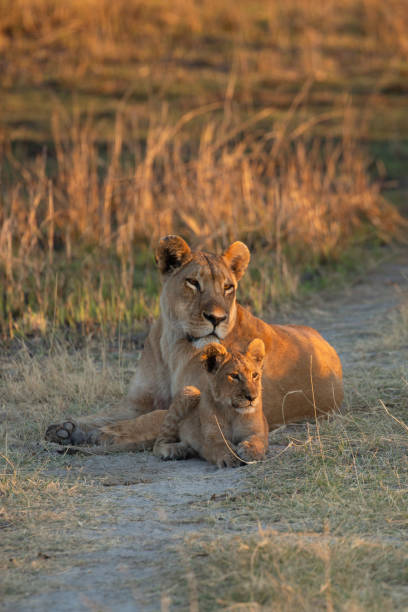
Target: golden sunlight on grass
column 302, row 201
column 282, row 123
column 124, row 121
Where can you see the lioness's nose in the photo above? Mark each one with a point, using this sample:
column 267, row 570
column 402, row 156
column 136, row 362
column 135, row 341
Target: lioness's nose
column 250, row 397
column 214, row 319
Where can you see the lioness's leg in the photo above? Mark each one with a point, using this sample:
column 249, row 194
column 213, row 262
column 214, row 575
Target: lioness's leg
column 87, row 430
column 168, row 444
column 149, row 391
column 138, row 433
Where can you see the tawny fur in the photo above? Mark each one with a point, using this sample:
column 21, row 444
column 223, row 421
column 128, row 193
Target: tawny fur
column 221, row 420
column 302, row 374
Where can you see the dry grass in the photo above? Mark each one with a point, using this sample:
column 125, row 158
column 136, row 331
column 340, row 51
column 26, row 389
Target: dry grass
column 40, row 386
column 331, row 519
column 76, row 41
column 328, row 516
column 301, row 202
column 321, row 526
column 44, row 519
column 45, row 510
column 220, row 121
column 216, row 121
column 307, row 571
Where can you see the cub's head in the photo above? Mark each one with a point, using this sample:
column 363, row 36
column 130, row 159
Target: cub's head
column 198, row 296
column 235, row 378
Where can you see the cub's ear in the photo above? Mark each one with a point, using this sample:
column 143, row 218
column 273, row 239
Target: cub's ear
column 171, row 253
column 237, row 257
column 256, row 351
column 213, row 356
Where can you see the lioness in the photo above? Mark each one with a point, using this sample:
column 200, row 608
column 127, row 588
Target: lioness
column 221, row 420
column 302, row 372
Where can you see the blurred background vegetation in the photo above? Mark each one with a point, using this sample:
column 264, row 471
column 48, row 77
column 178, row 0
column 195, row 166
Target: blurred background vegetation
column 283, row 124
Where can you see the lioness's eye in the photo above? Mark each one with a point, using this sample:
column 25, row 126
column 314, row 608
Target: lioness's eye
column 255, row 375
column 228, row 288
column 234, row 376
column 193, row 284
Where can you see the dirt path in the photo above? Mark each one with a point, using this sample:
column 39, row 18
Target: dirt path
column 149, row 506
column 360, row 310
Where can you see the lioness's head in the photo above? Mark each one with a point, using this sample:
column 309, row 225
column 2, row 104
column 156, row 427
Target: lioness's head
column 235, row 378
column 198, row 296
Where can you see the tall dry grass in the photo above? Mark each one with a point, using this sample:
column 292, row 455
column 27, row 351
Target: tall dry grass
column 82, row 33
column 300, row 199
column 209, row 140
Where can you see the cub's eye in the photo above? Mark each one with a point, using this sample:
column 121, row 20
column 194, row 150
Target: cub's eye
column 234, row 376
column 228, row 288
column 255, row 375
column 193, row 284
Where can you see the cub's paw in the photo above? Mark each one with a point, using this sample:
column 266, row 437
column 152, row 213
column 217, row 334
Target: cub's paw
column 250, row 453
column 173, row 450
column 228, row 460
column 69, row 433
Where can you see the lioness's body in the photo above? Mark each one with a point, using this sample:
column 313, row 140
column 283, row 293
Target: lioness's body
column 296, row 356
column 302, row 372
column 221, row 418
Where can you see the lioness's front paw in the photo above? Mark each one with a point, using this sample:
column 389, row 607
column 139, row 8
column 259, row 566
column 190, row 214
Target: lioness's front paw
column 69, row 433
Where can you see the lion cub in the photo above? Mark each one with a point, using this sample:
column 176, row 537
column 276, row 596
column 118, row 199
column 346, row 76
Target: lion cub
column 225, row 418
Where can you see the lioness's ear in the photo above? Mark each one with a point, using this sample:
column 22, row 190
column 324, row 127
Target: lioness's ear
column 237, row 257
column 213, row 356
column 256, row 351
column 171, row 253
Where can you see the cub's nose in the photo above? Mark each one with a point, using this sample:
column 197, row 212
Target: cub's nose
column 250, row 396
column 214, row 319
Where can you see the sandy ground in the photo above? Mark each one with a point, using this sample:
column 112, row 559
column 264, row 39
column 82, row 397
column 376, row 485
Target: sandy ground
column 150, row 506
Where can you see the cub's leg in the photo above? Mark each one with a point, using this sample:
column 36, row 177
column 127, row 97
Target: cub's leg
column 168, row 444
